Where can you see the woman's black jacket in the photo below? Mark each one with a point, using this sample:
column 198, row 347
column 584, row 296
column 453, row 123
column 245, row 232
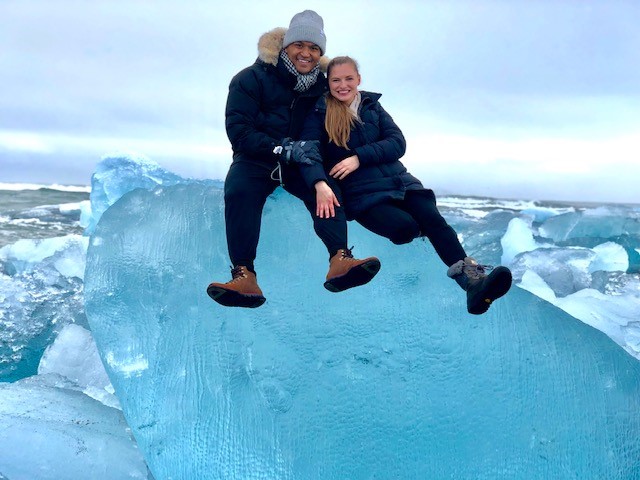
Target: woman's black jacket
column 379, row 144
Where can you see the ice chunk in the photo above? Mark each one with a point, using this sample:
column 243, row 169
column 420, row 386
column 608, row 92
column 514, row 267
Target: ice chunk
column 118, row 174
column 602, row 222
column 390, row 380
column 565, row 270
column 517, row 239
column 534, row 283
column 609, row 314
column 74, row 355
column 539, row 213
column 41, row 290
column 65, row 254
column 51, row 431
column 610, row 257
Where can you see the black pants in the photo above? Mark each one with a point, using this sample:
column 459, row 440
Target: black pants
column 246, row 189
column 416, row 215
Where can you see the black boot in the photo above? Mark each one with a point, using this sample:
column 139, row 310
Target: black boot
column 482, row 289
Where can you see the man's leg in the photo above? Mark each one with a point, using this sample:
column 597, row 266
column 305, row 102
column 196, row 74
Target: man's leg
column 246, row 189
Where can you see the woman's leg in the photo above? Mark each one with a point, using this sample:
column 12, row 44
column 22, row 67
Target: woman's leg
column 390, row 221
column 333, row 230
column 344, row 270
column 421, row 204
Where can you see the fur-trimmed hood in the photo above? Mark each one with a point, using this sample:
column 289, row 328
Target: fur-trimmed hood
column 270, row 44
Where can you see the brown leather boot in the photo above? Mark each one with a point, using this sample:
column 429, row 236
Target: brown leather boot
column 241, row 291
column 347, row 272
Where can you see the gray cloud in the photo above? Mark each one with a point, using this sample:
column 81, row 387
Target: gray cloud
column 159, row 71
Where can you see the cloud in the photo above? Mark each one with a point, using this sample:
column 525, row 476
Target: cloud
column 493, row 84
column 24, row 142
column 540, row 168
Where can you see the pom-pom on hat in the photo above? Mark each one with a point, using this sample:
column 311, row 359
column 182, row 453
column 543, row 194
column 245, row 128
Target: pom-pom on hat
column 306, row 26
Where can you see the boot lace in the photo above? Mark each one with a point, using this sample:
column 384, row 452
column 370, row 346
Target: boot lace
column 476, row 270
column 469, row 267
column 237, row 273
column 346, row 253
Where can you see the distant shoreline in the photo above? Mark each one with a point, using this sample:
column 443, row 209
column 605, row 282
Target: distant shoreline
column 35, row 186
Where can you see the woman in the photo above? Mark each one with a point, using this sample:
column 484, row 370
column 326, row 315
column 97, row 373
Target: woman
column 360, row 146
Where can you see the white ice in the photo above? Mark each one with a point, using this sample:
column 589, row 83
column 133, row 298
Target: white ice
column 74, row 355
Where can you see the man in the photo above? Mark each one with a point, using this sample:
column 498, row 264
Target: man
column 265, row 111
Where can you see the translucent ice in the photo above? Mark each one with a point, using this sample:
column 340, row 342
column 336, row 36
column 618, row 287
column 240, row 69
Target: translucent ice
column 40, row 292
column 65, row 254
column 610, row 257
column 116, row 175
column 74, row 355
column 603, row 222
column 588, row 283
column 615, row 315
column 517, row 239
column 565, row 270
column 390, row 380
column 51, row 431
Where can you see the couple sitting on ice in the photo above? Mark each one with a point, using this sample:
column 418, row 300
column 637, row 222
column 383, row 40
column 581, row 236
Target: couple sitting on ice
column 335, row 148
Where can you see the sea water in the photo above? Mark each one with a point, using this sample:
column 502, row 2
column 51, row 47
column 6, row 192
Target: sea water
column 39, row 211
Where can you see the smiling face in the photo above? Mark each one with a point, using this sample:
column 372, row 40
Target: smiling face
column 343, row 82
column 304, row 55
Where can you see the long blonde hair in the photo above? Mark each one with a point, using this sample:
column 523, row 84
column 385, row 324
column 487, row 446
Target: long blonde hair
column 339, row 120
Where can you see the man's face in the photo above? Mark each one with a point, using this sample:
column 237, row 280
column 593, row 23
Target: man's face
column 303, row 55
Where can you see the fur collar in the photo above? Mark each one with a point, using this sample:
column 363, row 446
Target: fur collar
column 270, row 44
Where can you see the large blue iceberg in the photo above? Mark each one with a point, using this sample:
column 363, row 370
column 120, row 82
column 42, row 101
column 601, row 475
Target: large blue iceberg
column 390, row 380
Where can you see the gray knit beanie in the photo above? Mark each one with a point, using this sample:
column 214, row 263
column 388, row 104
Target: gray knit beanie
column 306, row 26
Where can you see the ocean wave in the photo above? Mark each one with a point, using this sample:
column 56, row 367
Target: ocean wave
column 36, row 186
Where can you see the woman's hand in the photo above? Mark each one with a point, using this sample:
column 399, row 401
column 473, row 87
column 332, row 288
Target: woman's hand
column 345, row 167
column 326, row 200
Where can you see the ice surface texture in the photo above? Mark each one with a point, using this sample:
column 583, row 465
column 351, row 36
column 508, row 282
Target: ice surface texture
column 49, row 430
column 390, row 380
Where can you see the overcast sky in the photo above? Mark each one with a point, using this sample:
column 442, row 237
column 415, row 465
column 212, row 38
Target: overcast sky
column 525, row 99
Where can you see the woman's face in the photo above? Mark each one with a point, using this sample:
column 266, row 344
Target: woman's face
column 343, row 82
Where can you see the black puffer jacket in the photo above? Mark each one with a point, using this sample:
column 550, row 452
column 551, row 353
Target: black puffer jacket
column 262, row 107
column 379, row 144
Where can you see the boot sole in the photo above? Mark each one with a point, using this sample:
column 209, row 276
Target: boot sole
column 501, row 280
column 353, row 278
column 231, row 298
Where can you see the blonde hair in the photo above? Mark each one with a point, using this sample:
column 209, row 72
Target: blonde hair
column 339, row 120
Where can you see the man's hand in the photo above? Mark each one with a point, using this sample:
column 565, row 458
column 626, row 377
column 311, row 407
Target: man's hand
column 284, row 149
column 326, row 200
column 306, row 152
column 345, row 167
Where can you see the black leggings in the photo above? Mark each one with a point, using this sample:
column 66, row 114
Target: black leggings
column 246, row 189
column 416, row 215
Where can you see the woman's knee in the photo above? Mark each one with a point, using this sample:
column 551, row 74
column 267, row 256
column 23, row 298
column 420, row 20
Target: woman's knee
column 404, row 233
